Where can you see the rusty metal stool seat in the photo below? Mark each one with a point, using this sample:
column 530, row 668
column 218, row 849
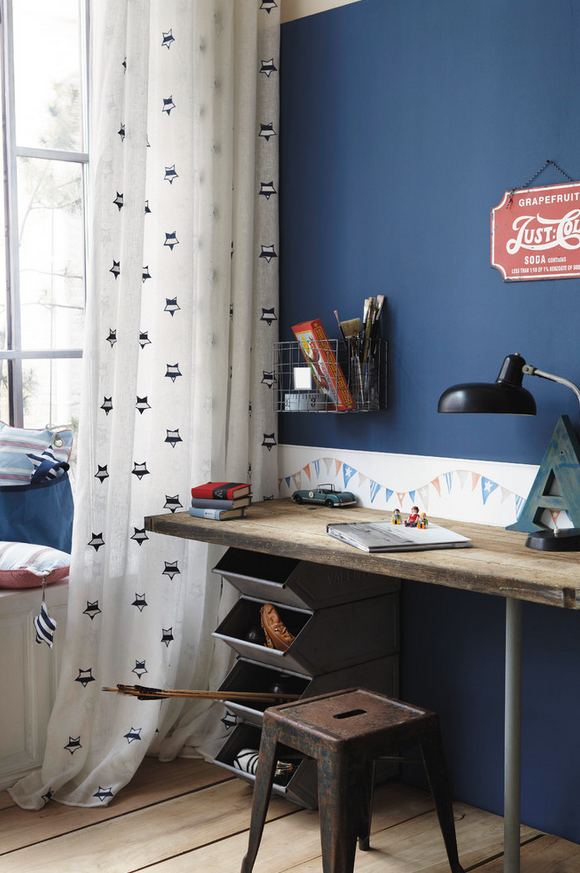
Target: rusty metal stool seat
column 346, row 731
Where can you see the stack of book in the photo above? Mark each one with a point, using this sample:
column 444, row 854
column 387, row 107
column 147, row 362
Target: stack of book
column 220, row 500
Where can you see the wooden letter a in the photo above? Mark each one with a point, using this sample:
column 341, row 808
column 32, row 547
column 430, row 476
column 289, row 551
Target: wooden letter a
column 559, row 472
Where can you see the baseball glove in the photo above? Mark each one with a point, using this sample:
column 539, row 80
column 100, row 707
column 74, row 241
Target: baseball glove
column 277, row 634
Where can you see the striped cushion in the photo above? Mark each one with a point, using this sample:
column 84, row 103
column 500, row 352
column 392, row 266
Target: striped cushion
column 23, row 565
column 22, row 450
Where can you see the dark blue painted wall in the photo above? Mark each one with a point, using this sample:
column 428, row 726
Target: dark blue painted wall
column 403, row 122
column 452, row 645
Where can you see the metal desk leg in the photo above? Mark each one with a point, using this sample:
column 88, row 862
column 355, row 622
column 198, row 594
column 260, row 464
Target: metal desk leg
column 512, row 735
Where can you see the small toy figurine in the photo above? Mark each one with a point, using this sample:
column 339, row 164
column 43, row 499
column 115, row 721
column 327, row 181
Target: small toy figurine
column 413, row 517
column 396, row 517
column 423, row 521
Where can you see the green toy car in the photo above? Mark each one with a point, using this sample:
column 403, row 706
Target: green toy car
column 326, row 495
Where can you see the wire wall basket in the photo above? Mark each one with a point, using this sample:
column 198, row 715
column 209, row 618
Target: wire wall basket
column 335, row 376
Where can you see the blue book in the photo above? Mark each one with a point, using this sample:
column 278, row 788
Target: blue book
column 218, row 514
column 220, row 503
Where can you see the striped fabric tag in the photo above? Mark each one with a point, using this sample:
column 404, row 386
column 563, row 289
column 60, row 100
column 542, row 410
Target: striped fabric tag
column 44, row 626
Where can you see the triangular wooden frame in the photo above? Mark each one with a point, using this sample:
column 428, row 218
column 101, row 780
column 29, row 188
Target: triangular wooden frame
column 560, row 465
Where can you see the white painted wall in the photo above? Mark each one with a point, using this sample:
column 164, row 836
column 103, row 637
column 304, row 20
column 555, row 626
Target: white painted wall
column 483, row 492
column 29, row 677
column 291, row 9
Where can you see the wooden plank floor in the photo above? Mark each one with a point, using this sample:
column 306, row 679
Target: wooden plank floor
column 192, row 816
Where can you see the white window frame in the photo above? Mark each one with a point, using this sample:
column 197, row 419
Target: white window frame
column 15, row 354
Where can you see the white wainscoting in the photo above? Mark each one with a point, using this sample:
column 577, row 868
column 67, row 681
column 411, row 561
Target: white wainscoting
column 292, row 9
column 28, row 677
column 484, row 492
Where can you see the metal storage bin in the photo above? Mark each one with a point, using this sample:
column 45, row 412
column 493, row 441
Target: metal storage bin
column 298, row 583
column 325, row 640
column 346, row 628
column 251, row 676
column 382, row 675
column 302, row 785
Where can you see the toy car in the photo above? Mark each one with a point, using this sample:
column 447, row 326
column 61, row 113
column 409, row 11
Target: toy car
column 325, row 494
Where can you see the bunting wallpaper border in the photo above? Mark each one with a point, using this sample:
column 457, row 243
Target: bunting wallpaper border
column 477, row 491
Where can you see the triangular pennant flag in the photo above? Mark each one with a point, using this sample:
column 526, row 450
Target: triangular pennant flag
column 375, row 488
column 401, row 496
column 487, row 488
column 287, row 480
column 463, row 474
column 296, row 479
column 412, row 496
column 555, row 513
column 338, row 465
column 475, row 477
column 424, row 494
column 362, row 478
column 504, row 493
column 436, row 485
column 44, row 626
column 449, row 481
column 519, row 503
column 317, row 468
column 388, row 493
column 560, row 467
column 306, row 470
column 327, row 462
column 347, row 473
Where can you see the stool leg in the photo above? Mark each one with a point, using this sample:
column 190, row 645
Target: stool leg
column 434, row 759
column 261, row 798
column 366, row 810
column 339, row 799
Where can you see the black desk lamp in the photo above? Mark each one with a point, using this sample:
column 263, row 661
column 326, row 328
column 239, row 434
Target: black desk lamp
column 508, row 396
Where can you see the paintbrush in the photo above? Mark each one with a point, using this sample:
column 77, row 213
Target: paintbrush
column 351, row 328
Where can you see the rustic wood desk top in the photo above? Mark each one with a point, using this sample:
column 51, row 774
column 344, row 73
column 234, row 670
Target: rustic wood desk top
column 498, row 563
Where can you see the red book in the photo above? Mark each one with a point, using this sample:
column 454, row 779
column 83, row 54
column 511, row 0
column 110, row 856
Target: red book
column 221, row 490
column 325, row 368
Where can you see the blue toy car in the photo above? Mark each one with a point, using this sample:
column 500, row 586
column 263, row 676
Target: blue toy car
column 325, row 494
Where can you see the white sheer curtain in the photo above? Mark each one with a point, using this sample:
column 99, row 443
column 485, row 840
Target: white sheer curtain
column 181, row 319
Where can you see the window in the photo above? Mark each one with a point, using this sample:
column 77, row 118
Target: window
column 44, row 164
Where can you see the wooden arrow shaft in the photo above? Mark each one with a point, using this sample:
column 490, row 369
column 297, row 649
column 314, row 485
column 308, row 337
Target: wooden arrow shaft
column 144, row 692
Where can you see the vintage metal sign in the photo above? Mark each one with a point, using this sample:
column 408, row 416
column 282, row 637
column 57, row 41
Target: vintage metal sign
column 535, row 233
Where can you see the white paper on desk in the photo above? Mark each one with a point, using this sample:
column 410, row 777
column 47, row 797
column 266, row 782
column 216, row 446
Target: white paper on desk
column 384, row 536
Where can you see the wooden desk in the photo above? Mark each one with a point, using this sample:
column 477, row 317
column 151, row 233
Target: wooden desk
column 499, row 564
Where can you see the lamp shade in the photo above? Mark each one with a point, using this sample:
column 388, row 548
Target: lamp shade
column 504, row 396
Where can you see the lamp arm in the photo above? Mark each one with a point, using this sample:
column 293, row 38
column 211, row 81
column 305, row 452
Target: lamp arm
column 528, row 370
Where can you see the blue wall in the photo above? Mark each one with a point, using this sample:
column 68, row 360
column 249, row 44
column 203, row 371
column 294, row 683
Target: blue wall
column 403, row 122
column 452, row 645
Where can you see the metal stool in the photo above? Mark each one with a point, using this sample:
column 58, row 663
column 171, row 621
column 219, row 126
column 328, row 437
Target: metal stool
column 346, row 731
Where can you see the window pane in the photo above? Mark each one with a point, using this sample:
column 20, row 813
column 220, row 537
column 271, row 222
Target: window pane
column 4, row 412
column 51, row 253
column 51, row 391
column 47, row 76
column 3, row 338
